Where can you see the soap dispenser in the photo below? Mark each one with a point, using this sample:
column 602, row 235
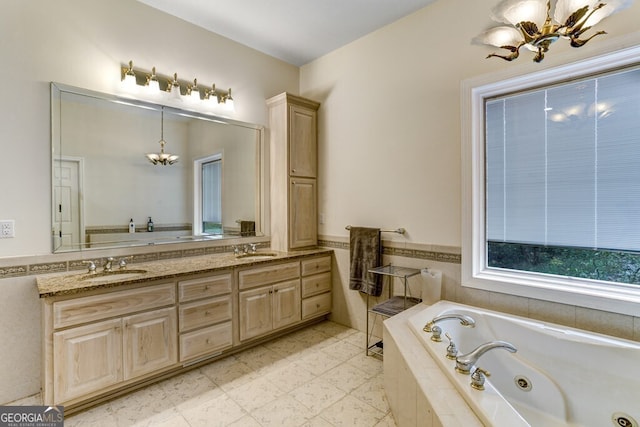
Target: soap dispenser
column 150, row 225
column 132, row 226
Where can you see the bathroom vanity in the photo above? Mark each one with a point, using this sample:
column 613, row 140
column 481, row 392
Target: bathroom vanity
column 107, row 333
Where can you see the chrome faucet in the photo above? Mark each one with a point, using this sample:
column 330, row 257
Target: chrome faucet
column 108, row 264
column 464, row 362
column 437, row 331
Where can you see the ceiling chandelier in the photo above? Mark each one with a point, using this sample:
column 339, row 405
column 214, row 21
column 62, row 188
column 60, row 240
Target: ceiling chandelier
column 162, row 158
column 532, row 25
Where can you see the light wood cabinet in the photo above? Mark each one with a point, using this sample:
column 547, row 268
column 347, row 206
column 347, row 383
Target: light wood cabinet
column 101, row 341
column 88, row 358
column 205, row 315
column 269, row 308
column 266, row 306
column 294, row 170
column 149, row 342
column 316, row 287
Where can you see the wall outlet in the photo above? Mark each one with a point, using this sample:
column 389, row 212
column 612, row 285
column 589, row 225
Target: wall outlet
column 7, row 229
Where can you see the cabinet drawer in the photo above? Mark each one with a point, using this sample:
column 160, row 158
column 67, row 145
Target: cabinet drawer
column 97, row 307
column 269, row 274
column 204, row 287
column 203, row 313
column 316, row 284
column 205, row 341
column 316, row 265
column 314, row 306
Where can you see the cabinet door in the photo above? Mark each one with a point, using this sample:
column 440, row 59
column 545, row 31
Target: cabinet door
column 149, row 342
column 303, row 215
column 286, row 303
column 87, row 359
column 302, row 142
column 255, row 312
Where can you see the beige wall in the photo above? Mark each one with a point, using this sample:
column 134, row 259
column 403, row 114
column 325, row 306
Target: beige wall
column 83, row 43
column 389, row 130
column 389, row 138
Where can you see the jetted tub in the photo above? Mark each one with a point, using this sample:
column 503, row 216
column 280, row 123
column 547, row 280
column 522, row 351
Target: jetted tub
column 559, row 376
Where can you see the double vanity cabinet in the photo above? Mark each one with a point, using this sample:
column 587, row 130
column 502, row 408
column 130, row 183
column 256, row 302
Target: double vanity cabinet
column 106, row 336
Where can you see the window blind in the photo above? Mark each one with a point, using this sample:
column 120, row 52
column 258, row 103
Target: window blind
column 563, row 164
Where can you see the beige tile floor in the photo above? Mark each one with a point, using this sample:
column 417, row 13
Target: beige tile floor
column 318, row 376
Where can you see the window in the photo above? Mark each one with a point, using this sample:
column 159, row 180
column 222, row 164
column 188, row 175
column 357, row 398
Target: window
column 208, row 195
column 554, row 188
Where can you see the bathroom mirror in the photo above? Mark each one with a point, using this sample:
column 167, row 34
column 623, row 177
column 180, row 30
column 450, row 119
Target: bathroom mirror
column 102, row 178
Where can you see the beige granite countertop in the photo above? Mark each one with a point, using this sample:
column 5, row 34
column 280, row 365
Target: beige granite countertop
column 51, row 285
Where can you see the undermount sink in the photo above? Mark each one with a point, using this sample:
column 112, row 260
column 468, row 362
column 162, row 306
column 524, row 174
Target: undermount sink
column 106, row 276
column 257, row 255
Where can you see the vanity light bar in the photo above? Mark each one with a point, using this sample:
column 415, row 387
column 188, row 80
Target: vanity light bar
column 141, row 82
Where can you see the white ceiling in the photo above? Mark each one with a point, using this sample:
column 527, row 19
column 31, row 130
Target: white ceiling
column 295, row 31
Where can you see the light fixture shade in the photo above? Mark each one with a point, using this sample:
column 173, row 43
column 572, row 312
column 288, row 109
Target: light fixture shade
column 610, row 7
column 499, row 37
column 193, row 91
column 515, row 11
column 129, row 79
column 153, row 83
column 565, row 8
column 229, row 105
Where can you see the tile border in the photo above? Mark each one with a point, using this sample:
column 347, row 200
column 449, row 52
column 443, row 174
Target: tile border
column 388, row 248
column 25, row 267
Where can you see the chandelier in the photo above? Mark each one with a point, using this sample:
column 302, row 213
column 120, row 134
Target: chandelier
column 534, row 27
column 162, row 158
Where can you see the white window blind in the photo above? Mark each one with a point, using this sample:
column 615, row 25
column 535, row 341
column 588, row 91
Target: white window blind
column 211, row 192
column 563, row 164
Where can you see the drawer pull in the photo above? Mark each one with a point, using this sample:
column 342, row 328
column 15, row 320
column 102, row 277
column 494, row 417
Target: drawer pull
column 317, row 305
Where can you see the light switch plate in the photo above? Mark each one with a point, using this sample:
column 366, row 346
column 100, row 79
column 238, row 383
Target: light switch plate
column 7, row 229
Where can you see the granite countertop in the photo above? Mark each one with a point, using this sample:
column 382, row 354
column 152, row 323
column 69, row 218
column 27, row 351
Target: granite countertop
column 72, row 283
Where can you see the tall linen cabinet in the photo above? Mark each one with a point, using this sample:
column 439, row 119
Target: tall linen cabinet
column 293, row 123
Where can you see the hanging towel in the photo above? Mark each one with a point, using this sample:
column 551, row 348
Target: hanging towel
column 364, row 248
column 247, row 228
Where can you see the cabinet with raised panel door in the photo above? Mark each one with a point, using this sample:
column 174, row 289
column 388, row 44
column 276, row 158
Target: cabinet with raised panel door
column 294, row 170
column 103, row 341
column 100, row 341
column 269, row 299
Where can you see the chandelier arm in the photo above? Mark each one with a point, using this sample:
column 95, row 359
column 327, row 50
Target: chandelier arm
column 577, row 27
column 576, row 42
column 515, row 52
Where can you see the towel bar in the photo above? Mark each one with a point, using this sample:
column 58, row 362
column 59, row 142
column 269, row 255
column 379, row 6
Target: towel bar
column 397, row 230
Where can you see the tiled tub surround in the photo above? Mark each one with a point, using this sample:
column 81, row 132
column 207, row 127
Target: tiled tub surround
column 175, row 314
column 421, row 393
column 418, row 392
column 349, row 307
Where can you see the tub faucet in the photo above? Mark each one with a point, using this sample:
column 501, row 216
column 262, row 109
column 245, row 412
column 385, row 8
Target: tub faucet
column 437, row 331
column 464, row 362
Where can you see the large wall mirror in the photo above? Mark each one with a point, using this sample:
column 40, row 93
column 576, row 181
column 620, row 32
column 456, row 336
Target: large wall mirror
column 102, row 179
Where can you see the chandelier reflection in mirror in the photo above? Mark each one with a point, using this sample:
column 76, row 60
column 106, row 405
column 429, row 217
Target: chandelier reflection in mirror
column 533, row 27
column 162, row 158
column 171, row 91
